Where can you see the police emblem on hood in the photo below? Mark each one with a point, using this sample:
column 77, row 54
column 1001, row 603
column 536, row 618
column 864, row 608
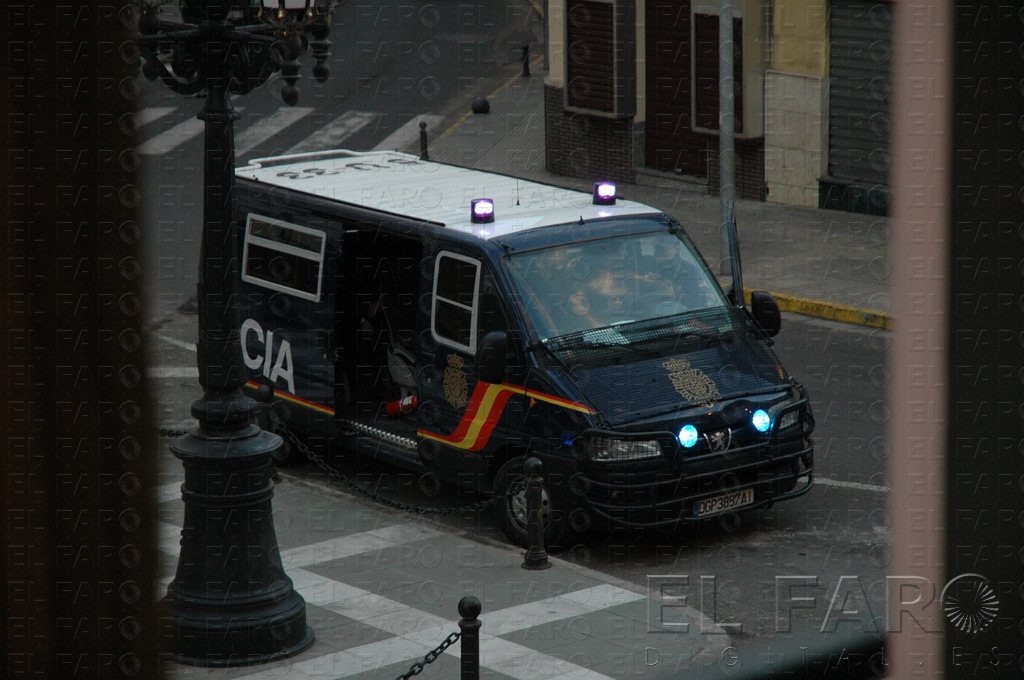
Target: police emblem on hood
column 692, row 384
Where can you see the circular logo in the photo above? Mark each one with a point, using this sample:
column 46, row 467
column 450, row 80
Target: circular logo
column 970, row 603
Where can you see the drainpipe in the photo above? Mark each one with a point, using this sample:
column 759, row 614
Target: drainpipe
column 726, row 130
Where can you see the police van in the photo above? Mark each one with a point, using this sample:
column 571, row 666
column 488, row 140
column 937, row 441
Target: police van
column 456, row 322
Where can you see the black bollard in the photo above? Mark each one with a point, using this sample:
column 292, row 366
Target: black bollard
column 526, row 60
column 536, row 556
column 480, row 105
column 424, row 156
column 469, row 632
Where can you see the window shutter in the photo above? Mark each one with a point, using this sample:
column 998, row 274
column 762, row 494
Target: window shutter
column 600, row 66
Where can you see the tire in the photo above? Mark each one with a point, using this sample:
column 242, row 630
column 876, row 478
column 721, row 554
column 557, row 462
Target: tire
column 511, row 514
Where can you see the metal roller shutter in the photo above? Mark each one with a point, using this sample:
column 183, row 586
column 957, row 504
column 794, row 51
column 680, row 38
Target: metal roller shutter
column 859, row 102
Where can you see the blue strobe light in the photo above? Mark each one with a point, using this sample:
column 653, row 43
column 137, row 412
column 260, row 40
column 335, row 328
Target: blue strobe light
column 688, row 436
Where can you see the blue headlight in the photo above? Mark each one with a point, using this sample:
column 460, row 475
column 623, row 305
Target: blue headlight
column 688, row 436
column 761, row 420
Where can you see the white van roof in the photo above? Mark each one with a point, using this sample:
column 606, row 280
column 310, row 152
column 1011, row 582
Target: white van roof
column 426, row 191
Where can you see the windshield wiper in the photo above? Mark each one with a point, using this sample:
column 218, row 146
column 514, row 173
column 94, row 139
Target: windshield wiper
column 595, row 339
column 605, row 344
column 669, row 334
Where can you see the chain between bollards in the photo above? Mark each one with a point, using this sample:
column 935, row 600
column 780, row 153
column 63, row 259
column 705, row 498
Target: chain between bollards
column 536, row 556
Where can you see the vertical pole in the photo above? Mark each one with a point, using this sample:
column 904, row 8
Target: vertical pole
column 230, row 602
column 726, row 128
column 469, row 632
column 424, row 156
column 547, row 41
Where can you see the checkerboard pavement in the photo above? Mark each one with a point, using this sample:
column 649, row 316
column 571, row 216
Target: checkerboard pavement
column 382, row 590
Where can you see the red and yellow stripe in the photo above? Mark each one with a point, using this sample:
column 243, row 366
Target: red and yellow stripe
column 289, row 397
column 484, row 411
column 478, row 422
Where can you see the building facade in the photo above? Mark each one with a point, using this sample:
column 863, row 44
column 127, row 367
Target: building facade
column 633, row 87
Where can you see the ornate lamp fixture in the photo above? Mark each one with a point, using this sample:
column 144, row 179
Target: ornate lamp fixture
column 264, row 36
column 230, row 602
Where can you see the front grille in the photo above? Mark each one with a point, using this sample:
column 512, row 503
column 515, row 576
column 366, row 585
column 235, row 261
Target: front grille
column 657, row 498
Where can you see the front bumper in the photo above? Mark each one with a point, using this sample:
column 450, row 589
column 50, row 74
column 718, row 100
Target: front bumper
column 660, row 496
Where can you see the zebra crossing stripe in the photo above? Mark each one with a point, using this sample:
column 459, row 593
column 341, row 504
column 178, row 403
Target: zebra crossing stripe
column 265, row 127
column 151, row 113
column 171, row 139
column 190, row 346
column 334, row 133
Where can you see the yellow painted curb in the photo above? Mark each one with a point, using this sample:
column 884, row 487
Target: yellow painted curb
column 831, row 310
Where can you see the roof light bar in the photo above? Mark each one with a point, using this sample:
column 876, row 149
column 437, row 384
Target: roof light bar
column 481, row 210
column 604, row 193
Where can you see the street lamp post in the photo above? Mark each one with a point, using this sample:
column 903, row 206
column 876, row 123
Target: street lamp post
column 230, row 602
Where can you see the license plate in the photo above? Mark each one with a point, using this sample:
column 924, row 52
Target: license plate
column 723, row 503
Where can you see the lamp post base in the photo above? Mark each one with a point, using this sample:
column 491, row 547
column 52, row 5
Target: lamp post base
column 231, row 602
column 215, row 639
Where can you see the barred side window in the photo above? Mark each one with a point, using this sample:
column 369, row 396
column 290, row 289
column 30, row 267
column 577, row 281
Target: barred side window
column 456, row 286
column 284, row 257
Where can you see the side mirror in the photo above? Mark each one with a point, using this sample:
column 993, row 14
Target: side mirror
column 490, row 357
column 765, row 310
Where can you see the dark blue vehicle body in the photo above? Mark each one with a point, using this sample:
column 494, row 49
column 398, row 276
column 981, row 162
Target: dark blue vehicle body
column 673, row 410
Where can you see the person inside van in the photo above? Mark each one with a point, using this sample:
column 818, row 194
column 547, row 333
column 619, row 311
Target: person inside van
column 601, row 283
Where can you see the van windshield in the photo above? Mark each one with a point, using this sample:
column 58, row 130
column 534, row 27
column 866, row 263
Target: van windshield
column 586, row 285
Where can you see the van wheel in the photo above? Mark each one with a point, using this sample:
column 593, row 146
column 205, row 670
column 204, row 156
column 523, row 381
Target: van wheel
column 511, row 512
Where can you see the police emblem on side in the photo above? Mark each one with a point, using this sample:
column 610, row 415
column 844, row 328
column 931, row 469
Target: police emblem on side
column 456, row 391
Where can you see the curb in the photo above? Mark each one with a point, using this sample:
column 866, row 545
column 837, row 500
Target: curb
column 832, row 311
